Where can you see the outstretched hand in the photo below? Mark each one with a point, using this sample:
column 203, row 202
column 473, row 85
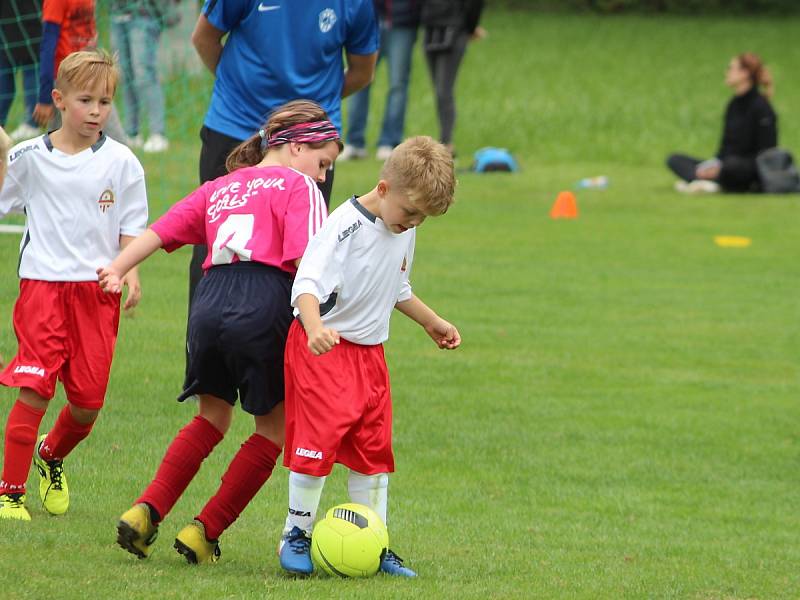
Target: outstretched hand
column 444, row 334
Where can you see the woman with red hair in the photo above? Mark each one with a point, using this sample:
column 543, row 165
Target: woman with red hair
column 750, row 127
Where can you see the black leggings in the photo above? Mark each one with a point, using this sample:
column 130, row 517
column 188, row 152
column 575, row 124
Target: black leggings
column 738, row 173
column 683, row 166
column 443, row 66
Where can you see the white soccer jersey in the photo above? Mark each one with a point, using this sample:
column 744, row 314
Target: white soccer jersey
column 358, row 270
column 76, row 206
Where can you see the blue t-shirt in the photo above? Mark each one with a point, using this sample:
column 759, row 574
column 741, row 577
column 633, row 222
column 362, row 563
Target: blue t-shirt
column 281, row 50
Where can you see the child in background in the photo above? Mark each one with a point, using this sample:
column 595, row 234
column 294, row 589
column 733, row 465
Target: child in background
column 67, row 26
column 338, row 402
column 256, row 222
column 83, row 196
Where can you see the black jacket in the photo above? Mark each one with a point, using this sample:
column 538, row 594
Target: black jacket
column 750, row 126
column 462, row 14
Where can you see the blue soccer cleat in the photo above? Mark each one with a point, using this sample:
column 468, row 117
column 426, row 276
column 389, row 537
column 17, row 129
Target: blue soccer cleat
column 391, row 564
column 295, row 552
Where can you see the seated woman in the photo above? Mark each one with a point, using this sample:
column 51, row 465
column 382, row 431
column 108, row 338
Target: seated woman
column 750, row 127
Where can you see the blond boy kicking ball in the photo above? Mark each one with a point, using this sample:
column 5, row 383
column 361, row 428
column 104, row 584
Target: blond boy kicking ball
column 83, row 197
column 353, row 275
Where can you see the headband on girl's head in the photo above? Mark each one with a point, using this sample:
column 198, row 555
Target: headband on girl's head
column 304, row 133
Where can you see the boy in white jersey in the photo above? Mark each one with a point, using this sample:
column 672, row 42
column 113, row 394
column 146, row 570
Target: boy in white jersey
column 83, row 196
column 338, row 403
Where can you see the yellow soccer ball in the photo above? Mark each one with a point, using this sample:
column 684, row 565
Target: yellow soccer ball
column 349, row 542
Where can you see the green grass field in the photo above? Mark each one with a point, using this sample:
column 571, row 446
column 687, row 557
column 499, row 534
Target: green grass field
column 622, row 418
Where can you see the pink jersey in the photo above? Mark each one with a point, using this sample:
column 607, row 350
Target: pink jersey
column 260, row 214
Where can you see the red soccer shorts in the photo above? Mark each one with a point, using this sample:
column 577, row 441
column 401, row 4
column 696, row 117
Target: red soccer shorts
column 338, row 408
column 66, row 331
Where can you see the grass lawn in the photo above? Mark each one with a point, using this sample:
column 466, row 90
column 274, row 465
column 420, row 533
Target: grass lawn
column 622, row 419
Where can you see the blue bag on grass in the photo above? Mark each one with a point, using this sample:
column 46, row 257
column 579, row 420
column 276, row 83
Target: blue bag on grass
column 494, row 159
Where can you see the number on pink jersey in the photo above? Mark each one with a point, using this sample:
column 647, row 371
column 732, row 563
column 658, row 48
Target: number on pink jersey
column 232, row 238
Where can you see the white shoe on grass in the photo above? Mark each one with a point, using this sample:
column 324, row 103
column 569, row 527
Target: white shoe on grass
column 156, row 143
column 24, row 132
column 383, row 152
column 698, row 186
column 352, row 153
column 135, row 141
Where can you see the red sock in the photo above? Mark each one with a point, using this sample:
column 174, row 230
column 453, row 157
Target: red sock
column 180, row 464
column 21, row 432
column 64, row 436
column 248, row 471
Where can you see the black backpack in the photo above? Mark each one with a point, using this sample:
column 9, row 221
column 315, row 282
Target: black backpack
column 777, row 172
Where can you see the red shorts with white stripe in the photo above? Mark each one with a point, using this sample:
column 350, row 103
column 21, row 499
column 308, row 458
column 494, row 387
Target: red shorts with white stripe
column 66, row 330
column 338, row 408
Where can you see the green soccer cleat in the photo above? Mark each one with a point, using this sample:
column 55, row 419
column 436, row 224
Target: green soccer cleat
column 53, row 489
column 12, row 507
column 191, row 542
column 136, row 532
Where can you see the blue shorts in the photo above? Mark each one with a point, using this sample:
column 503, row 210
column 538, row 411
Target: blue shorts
column 238, row 322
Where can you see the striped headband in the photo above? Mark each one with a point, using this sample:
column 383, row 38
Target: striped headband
column 302, row 133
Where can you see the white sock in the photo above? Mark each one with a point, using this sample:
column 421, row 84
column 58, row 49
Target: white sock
column 304, row 495
column 370, row 490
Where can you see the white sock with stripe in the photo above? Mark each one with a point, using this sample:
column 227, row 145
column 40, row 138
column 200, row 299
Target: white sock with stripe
column 370, row 490
column 304, row 494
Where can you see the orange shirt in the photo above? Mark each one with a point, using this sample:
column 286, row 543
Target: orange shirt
column 76, row 18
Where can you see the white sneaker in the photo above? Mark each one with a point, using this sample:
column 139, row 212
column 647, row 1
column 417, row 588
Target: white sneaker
column 383, row 152
column 698, row 186
column 135, row 141
column 681, row 186
column 24, row 132
column 156, row 143
column 352, row 153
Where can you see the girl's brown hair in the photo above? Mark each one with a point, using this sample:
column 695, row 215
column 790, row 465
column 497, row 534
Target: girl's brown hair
column 759, row 74
column 251, row 151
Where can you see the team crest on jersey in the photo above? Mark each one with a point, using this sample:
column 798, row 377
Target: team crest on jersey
column 327, row 19
column 106, row 200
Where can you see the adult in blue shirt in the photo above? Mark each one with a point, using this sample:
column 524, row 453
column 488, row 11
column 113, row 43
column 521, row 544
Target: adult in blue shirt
column 276, row 51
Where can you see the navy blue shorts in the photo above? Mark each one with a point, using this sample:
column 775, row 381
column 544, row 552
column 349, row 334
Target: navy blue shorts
column 238, row 322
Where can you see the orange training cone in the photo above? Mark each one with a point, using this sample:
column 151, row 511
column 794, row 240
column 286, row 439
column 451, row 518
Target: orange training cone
column 565, row 206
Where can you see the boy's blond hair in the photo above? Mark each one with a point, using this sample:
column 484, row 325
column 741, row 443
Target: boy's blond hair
column 422, row 168
column 86, row 68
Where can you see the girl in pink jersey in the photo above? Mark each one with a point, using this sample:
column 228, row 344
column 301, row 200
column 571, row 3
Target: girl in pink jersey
column 256, row 222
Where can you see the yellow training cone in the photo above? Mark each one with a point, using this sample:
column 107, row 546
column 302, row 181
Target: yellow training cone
column 732, row 241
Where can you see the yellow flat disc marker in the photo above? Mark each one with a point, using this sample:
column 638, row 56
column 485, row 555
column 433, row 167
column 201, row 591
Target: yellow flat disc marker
column 732, row 241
